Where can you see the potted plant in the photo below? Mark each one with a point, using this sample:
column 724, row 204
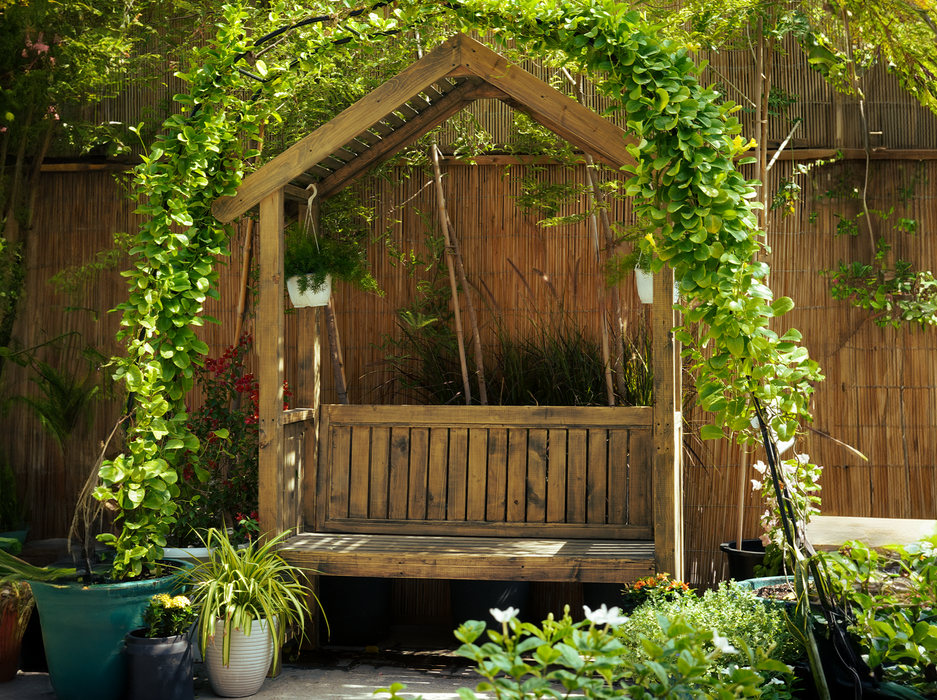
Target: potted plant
column 86, row 615
column 311, row 262
column 644, row 279
column 16, row 606
column 246, row 600
column 159, row 655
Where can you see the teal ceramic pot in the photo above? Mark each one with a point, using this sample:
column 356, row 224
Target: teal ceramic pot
column 83, row 629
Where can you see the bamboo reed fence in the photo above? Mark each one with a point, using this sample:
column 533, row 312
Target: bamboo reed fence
column 879, row 394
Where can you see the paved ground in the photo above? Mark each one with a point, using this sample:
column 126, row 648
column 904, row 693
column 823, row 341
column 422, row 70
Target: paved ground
column 335, row 673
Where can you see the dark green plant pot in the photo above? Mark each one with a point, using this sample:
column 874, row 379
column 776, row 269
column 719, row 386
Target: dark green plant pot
column 753, row 584
column 83, row 629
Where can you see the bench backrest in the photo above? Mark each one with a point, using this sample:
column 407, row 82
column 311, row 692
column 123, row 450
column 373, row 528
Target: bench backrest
column 485, row 471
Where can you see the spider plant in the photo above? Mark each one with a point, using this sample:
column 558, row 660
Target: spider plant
column 243, row 586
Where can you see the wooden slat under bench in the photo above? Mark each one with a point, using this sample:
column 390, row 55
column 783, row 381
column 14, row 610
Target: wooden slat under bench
column 480, row 558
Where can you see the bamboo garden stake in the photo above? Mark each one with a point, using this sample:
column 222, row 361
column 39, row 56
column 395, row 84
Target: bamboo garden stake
column 454, row 261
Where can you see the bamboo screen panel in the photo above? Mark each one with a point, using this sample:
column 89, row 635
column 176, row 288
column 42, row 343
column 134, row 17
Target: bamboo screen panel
column 562, row 472
column 879, row 395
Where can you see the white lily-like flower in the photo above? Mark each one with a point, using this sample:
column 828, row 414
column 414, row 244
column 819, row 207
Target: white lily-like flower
column 503, row 616
column 760, row 467
column 722, row 644
column 604, row 616
column 775, row 681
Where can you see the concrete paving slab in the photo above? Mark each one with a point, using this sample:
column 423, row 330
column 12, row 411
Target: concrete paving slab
column 342, row 674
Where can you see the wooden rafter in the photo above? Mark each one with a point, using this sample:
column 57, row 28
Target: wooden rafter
column 410, row 104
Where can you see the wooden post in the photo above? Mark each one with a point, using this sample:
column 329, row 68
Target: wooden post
column 667, row 478
column 269, row 326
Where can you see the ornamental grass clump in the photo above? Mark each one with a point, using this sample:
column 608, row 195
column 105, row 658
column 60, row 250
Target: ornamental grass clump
column 243, row 586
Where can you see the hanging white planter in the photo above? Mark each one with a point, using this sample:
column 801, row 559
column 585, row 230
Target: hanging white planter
column 318, row 297
column 644, row 281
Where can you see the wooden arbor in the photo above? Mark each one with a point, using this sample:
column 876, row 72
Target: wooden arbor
column 294, row 491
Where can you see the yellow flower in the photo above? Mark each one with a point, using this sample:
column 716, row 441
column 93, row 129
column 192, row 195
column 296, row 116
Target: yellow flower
column 180, row 601
column 164, row 600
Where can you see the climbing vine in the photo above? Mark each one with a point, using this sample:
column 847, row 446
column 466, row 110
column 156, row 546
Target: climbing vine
column 684, row 183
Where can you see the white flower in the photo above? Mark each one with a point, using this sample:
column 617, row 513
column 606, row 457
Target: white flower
column 604, row 616
column 756, row 485
column 722, row 644
column 760, row 467
column 803, row 459
column 775, row 681
column 504, row 615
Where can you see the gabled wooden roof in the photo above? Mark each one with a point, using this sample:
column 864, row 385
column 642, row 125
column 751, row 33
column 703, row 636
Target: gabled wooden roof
column 443, row 82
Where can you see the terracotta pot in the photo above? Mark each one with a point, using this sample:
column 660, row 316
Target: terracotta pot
column 11, row 638
column 248, row 662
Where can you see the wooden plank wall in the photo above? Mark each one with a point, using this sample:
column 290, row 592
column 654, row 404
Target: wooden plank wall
column 455, row 470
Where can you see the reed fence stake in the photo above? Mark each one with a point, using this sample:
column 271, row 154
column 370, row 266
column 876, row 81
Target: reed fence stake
column 338, row 370
column 451, row 257
column 598, row 202
column 248, row 254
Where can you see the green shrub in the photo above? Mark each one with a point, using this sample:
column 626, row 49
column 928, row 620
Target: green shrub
column 738, row 615
column 563, row 659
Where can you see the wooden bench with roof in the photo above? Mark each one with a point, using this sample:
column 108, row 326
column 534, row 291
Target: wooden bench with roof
column 522, row 493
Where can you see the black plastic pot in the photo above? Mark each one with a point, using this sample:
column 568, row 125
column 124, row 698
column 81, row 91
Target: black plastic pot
column 742, row 562
column 158, row 668
column 473, row 600
column 358, row 610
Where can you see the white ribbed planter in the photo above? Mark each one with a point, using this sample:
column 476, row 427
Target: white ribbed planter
column 248, row 663
column 645, row 284
column 319, row 297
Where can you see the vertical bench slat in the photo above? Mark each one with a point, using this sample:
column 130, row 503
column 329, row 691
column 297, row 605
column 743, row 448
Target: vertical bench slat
column 380, row 468
column 618, row 477
column 496, row 487
column 597, row 476
column 360, row 473
column 419, row 458
column 436, row 480
column 639, row 478
column 399, row 477
column 517, row 475
column 341, row 459
column 458, row 474
column 556, row 477
column 477, row 474
column 576, row 476
column 536, row 476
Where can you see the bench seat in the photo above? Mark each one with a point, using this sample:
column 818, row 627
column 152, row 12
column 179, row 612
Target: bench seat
column 479, row 558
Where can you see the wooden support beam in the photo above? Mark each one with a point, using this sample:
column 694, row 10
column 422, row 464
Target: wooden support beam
column 666, row 479
column 341, row 129
column 269, row 335
column 547, row 105
column 453, row 102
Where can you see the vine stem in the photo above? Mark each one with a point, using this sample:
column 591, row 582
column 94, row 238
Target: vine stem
column 865, row 130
